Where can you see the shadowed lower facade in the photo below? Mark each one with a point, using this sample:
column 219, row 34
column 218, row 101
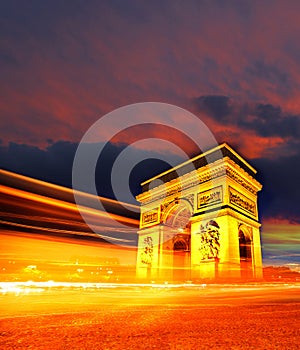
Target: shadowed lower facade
column 199, row 220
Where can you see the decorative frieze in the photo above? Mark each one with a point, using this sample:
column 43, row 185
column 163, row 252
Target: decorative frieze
column 236, row 177
column 191, row 180
column 210, row 197
column 150, row 217
column 241, row 201
column 187, row 183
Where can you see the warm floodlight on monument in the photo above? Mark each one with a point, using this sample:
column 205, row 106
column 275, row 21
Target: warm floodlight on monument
column 206, row 229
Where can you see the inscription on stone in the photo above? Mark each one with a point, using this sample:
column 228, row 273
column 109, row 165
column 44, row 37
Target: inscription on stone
column 150, row 217
column 241, row 201
column 209, row 197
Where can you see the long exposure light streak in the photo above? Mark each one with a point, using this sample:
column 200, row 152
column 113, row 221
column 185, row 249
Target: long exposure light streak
column 16, row 180
column 39, row 207
column 21, row 179
column 62, row 204
column 47, row 229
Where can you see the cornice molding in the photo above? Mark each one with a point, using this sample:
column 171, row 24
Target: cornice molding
column 224, row 167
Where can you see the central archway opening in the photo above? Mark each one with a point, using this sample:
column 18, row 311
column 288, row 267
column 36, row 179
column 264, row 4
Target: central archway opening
column 181, row 257
column 177, row 220
column 180, row 246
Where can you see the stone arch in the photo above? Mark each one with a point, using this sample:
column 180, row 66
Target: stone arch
column 245, row 250
column 176, row 219
column 245, row 243
column 185, row 207
column 181, row 257
column 180, row 244
column 177, row 214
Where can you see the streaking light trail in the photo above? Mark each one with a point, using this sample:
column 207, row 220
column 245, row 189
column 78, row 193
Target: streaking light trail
column 34, row 205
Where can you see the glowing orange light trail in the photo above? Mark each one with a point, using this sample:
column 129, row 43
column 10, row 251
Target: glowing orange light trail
column 64, row 205
column 62, row 189
column 40, row 228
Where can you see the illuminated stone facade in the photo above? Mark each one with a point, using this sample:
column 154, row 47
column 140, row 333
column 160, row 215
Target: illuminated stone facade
column 199, row 220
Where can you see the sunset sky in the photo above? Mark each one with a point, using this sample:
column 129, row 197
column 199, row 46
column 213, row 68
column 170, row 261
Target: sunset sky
column 234, row 64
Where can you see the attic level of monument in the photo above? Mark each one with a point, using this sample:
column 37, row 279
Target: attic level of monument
column 200, row 161
column 200, row 220
column 219, row 161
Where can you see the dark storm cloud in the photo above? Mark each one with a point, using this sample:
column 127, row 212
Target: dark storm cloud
column 216, row 106
column 269, row 120
column 54, row 164
column 265, row 120
column 281, row 192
